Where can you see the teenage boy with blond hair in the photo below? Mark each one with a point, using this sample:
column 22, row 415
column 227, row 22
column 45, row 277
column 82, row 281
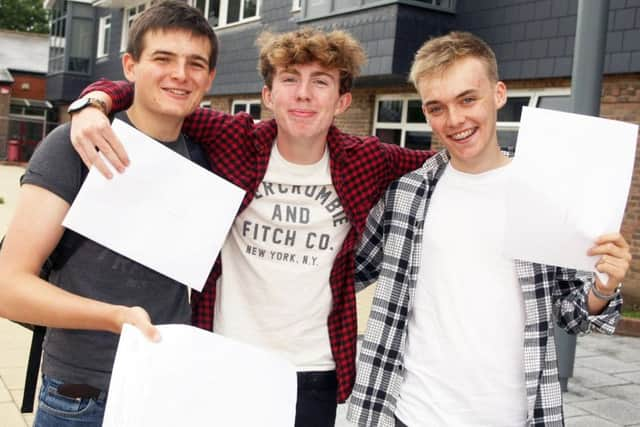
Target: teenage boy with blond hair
column 171, row 57
column 459, row 334
column 284, row 279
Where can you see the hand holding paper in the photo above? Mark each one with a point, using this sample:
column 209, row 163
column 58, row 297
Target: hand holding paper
column 615, row 257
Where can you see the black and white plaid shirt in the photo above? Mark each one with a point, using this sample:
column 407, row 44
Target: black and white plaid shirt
column 390, row 252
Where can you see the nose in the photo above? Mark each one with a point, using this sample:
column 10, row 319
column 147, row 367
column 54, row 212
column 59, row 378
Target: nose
column 179, row 71
column 302, row 90
column 455, row 117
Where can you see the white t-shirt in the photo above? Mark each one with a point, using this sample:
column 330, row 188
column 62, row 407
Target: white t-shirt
column 274, row 290
column 464, row 359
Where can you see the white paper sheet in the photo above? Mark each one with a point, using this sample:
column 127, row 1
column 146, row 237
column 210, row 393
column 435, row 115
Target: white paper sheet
column 571, row 177
column 196, row 378
column 164, row 211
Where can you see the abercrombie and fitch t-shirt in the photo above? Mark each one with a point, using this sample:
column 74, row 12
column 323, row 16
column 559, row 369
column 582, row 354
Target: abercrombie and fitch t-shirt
column 274, row 291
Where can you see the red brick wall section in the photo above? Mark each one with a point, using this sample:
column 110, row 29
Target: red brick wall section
column 621, row 101
column 27, row 86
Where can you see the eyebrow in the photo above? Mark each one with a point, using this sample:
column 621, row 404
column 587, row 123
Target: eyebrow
column 458, row 96
column 314, row 74
column 169, row 53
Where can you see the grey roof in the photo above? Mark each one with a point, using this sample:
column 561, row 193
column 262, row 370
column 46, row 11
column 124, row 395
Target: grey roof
column 24, row 51
column 5, row 76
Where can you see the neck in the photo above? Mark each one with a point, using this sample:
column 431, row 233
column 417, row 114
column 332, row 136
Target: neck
column 493, row 159
column 301, row 152
column 161, row 128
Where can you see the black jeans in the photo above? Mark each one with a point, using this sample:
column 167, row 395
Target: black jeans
column 317, row 399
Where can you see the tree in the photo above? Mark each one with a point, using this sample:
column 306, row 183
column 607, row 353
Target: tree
column 24, row 15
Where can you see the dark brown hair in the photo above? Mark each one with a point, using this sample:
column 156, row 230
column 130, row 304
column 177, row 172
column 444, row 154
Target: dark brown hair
column 171, row 15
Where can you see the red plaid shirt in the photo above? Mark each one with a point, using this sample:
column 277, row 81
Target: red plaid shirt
column 361, row 169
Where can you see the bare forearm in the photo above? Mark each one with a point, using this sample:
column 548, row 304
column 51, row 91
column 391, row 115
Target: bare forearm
column 26, row 298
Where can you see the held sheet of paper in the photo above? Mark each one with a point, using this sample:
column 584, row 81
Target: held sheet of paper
column 193, row 377
column 164, row 211
column 571, row 177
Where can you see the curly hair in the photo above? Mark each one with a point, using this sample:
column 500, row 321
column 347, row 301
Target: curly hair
column 334, row 50
column 439, row 53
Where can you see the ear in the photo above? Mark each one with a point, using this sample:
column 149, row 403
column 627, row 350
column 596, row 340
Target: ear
column 501, row 95
column 343, row 103
column 266, row 97
column 128, row 66
column 212, row 76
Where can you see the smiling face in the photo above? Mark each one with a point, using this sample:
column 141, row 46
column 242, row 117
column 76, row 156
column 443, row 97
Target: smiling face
column 171, row 75
column 304, row 100
column 461, row 104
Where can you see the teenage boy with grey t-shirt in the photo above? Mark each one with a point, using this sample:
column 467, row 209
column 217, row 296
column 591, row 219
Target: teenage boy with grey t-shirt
column 171, row 59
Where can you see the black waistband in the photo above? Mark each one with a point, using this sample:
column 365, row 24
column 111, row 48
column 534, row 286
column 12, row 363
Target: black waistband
column 317, row 379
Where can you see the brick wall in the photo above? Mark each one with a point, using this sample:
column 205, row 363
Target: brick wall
column 621, row 101
column 28, row 86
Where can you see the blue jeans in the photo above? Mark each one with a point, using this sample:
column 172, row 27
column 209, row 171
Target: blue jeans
column 55, row 410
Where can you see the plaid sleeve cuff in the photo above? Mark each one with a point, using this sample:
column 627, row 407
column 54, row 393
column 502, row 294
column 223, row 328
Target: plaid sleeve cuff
column 120, row 92
column 572, row 314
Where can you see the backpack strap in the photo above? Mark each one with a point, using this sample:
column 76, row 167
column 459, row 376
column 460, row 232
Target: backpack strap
column 33, row 366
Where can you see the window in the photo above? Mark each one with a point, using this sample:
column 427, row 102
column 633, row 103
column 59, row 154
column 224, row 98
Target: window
column 129, row 15
column 253, row 107
column 209, row 8
column 296, row 6
column 57, row 41
column 509, row 115
column 439, row 4
column 225, row 12
column 104, row 36
column 399, row 119
column 317, row 9
column 81, row 45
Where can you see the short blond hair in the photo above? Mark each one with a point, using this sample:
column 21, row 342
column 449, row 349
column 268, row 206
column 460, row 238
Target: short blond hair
column 334, row 50
column 439, row 53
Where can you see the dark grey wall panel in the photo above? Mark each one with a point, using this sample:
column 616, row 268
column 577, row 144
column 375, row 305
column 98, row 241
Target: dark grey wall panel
column 543, row 33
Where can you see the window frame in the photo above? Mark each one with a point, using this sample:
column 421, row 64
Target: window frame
column 224, row 11
column 127, row 20
column 104, row 42
column 402, row 125
column 247, row 103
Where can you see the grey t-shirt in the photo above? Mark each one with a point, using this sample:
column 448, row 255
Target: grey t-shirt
column 93, row 271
